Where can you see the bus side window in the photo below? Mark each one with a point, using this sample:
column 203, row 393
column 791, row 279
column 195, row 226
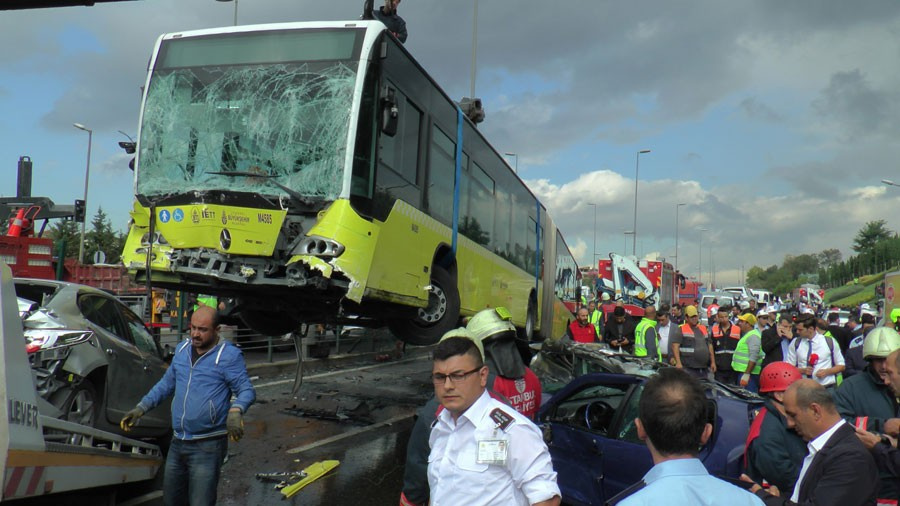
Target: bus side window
column 441, row 175
column 398, row 157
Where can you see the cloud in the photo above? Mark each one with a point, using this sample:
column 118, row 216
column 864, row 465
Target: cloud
column 743, row 231
column 759, row 111
column 850, row 101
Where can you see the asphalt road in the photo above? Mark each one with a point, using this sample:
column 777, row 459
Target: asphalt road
column 359, row 414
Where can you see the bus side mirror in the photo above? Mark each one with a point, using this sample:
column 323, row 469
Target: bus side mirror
column 389, row 113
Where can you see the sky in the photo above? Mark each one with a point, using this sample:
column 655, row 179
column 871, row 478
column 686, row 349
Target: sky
column 774, row 122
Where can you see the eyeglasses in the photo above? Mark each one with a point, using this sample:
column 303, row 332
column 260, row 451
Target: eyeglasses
column 456, row 377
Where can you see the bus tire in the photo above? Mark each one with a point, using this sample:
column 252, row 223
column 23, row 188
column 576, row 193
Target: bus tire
column 433, row 321
column 526, row 333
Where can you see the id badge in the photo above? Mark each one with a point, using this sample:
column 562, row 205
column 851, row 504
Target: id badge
column 492, row 451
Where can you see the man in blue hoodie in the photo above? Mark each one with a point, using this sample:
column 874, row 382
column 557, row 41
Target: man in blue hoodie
column 205, row 372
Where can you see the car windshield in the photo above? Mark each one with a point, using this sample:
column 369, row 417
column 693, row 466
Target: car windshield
column 273, row 104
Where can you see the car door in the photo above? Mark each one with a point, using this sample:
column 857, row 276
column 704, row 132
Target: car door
column 153, row 367
column 624, row 445
column 122, row 391
column 579, row 422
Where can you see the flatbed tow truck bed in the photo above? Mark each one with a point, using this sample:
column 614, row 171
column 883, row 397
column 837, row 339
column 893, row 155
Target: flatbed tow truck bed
column 41, row 455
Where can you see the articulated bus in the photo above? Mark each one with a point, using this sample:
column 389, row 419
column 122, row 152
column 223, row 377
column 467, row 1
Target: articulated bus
column 314, row 172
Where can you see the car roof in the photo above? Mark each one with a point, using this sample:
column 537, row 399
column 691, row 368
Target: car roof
column 59, row 285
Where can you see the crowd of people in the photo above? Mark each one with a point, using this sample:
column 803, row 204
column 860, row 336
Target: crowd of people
column 826, row 436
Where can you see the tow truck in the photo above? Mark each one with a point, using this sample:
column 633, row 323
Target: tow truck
column 42, row 455
column 639, row 283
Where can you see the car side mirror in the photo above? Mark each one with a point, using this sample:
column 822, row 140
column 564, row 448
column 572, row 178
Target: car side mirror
column 390, row 114
column 168, row 354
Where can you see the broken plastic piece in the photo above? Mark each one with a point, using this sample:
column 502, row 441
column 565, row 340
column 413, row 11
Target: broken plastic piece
column 313, row 473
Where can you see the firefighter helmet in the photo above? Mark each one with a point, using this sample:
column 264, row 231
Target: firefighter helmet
column 880, row 343
column 489, row 323
column 777, row 376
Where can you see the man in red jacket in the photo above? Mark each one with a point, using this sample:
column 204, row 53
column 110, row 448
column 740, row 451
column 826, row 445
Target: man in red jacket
column 581, row 330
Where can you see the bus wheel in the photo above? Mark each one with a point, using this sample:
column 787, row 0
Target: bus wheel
column 437, row 318
column 526, row 333
column 268, row 323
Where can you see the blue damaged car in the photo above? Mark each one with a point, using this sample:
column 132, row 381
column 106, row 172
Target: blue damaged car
column 590, row 431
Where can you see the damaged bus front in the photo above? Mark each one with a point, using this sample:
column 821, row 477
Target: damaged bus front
column 241, row 157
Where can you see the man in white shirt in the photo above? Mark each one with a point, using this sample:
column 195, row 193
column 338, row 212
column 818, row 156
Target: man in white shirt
column 838, row 471
column 663, row 326
column 482, row 451
column 813, row 354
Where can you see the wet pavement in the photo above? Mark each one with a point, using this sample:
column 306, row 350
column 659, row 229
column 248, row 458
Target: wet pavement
column 359, row 414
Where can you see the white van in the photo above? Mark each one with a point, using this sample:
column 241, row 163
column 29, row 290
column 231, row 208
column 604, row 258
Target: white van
column 764, row 297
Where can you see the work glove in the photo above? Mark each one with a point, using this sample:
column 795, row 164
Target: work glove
column 235, row 424
column 131, row 418
column 745, row 379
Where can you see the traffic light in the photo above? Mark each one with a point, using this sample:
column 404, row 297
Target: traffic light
column 79, row 211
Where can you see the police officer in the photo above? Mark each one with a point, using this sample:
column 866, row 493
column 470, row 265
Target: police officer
column 774, row 452
column 509, row 381
column 672, row 420
column 482, row 451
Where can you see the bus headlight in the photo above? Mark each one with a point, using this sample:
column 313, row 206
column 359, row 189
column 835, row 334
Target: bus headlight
column 157, row 239
column 319, row 246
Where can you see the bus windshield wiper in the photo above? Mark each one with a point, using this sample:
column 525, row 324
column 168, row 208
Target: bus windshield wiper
column 295, row 196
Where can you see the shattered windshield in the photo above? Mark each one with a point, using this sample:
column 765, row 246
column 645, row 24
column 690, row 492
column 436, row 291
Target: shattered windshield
column 257, row 108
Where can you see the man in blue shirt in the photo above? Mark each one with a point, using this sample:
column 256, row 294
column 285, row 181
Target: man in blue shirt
column 672, row 421
column 206, row 372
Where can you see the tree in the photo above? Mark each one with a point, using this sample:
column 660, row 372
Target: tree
column 800, row 264
column 103, row 238
column 868, row 236
column 65, row 230
column 829, row 257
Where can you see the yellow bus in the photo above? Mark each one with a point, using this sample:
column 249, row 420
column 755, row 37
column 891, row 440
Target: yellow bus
column 314, row 172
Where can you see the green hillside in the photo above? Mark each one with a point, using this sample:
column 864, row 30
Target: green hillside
column 855, row 292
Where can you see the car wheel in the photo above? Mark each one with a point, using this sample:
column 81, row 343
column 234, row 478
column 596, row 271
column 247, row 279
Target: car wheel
column 81, row 405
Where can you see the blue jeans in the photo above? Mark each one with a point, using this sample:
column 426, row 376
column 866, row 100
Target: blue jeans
column 192, row 471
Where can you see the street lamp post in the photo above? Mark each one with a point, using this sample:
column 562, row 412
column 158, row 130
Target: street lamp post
column 625, row 246
column 235, row 8
column 637, row 164
column 474, row 47
column 87, row 176
column 594, row 258
column 677, row 207
column 700, row 260
column 516, row 156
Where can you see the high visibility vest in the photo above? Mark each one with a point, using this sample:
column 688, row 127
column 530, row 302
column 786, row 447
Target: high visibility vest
column 640, row 339
column 206, row 300
column 728, row 343
column 686, row 331
column 742, row 358
column 595, row 319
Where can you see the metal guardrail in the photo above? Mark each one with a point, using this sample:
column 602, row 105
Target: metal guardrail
column 313, row 343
